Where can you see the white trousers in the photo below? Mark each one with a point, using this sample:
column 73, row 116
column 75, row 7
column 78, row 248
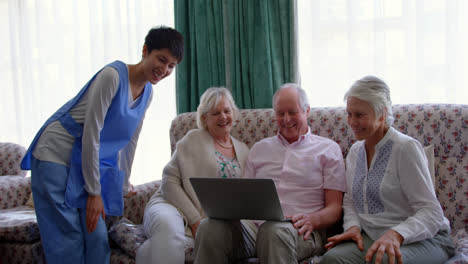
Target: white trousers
column 164, row 227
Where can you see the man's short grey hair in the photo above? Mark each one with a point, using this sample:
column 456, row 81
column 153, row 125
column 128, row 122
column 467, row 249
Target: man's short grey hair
column 303, row 100
column 374, row 91
column 210, row 99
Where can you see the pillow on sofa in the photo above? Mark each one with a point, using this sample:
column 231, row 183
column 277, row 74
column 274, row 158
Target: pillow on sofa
column 18, row 224
column 429, row 151
column 128, row 236
column 30, row 201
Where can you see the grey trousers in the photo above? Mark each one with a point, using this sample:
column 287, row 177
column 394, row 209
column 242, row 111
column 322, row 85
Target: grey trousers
column 220, row 241
column 434, row 250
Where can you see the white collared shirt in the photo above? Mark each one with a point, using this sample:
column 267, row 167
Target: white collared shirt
column 301, row 170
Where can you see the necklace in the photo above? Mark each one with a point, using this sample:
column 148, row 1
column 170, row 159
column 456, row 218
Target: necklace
column 223, row 145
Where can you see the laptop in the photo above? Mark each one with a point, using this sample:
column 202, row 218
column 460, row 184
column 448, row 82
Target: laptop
column 235, row 199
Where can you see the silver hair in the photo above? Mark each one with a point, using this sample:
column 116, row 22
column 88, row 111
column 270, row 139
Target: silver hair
column 301, row 94
column 374, row 91
column 210, row 99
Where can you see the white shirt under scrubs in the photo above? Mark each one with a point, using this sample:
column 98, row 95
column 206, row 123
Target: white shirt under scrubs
column 55, row 143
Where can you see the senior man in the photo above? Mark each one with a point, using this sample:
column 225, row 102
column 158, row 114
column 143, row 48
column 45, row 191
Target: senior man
column 308, row 171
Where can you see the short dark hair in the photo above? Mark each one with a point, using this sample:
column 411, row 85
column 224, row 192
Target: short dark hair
column 162, row 37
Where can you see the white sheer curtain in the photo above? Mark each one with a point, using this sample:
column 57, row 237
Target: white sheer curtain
column 419, row 47
column 51, row 48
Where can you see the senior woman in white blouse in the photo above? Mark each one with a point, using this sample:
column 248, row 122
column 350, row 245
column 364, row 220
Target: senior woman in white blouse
column 174, row 212
column 391, row 213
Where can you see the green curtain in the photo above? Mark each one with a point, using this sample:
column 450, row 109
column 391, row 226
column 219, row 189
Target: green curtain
column 262, row 49
column 250, row 49
column 203, row 66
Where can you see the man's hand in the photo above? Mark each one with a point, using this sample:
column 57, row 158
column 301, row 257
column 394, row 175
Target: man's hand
column 388, row 243
column 194, row 228
column 94, row 208
column 321, row 219
column 304, row 224
column 353, row 233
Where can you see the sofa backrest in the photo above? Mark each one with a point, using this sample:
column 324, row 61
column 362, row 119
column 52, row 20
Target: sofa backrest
column 11, row 155
column 443, row 125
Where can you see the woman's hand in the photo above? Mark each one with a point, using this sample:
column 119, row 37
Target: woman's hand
column 304, row 224
column 194, row 228
column 353, row 233
column 388, row 243
column 94, row 208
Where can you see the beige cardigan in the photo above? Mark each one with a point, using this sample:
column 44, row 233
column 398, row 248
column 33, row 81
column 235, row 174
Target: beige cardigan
column 194, row 157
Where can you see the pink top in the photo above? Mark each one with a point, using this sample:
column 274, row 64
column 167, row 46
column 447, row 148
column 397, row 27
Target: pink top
column 301, row 170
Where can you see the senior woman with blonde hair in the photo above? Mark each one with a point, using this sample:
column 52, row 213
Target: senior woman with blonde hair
column 174, row 211
column 390, row 208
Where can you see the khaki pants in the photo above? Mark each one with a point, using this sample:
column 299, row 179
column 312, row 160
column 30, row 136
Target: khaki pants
column 220, row 241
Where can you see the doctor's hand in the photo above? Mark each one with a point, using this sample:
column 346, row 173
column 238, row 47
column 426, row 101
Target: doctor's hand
column 94, row 208
column 353, row 233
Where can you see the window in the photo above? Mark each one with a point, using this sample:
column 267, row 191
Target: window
column 419, row 48
column 52, row 48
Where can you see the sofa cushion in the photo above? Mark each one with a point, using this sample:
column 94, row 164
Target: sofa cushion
column 30, row 201
column 21, row 253
column 128, row 236
column 118, row 256
column 134, row 206
column 460, row 239
column 451, row 189
column 18, row 224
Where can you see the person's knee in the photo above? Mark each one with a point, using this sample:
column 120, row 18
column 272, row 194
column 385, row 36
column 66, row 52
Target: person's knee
column 333, row 257
column 212, row 230
column 214, row 241
column 164, row 225
column 274, row 232
column 347, row 252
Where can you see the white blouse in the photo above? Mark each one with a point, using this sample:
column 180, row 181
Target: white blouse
column 395, row 193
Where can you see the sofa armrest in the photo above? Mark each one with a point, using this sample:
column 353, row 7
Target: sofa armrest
column 14, row 191
column 134, row 206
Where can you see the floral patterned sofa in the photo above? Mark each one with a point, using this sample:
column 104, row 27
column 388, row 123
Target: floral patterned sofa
column 19, row 232
column 443, row 126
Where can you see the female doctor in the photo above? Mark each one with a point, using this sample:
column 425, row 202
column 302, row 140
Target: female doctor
column 81, row 158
